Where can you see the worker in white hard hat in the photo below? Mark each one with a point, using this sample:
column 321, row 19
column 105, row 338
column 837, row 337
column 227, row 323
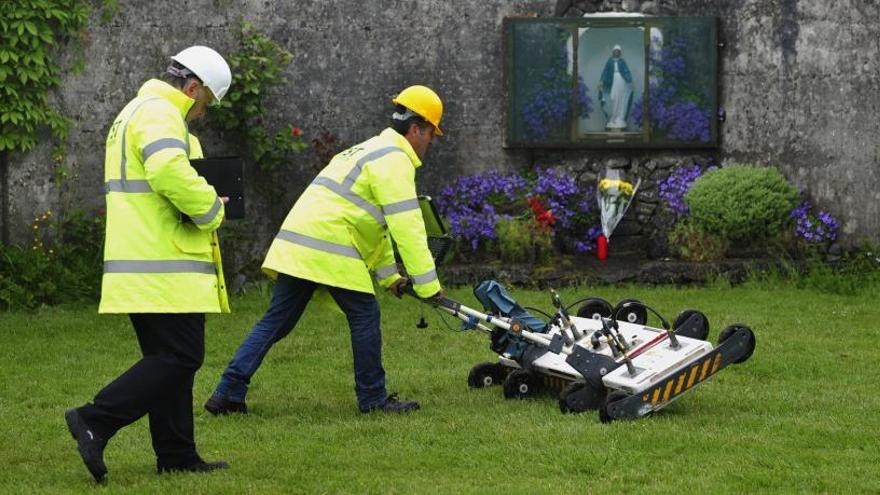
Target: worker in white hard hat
column 165, row 273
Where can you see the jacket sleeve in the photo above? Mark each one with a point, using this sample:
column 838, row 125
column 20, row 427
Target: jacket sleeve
column 392, row 181
column 195, row 147
column 386, row 266
column 162, row 139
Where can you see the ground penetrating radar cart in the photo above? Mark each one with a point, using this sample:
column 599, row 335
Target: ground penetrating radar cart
column 604, row 358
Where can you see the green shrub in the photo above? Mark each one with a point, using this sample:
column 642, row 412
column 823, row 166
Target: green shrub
column 691, row 243
column 521, row 241
column 742, row 203
column 27, row 279
column 63, row 264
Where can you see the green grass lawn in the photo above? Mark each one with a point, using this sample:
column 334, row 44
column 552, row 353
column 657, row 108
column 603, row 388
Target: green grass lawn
column 800, row 416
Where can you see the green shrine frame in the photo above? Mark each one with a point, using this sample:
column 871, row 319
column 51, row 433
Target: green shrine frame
column 611, row 82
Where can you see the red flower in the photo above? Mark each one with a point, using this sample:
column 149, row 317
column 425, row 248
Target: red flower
column 543, row 216
column 101, row 212
column 535, row 205
column 296, row 131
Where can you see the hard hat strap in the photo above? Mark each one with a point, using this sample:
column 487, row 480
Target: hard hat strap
column 181, row 72
column 405, row 115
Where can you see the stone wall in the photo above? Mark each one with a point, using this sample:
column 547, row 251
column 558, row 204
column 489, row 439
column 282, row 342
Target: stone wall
column 798, row 82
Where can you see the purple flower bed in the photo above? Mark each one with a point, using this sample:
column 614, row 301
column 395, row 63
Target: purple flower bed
column 676, row 109
column 814, row 228
column 673, row 188
column 472, row 204
column 549, row 104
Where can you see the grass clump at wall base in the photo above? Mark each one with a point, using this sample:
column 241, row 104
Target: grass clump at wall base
column 692, row 243
column 521, row 241
column 742, row 202
column 855, row 272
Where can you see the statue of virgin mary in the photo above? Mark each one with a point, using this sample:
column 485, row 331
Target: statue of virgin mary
column 615, row 91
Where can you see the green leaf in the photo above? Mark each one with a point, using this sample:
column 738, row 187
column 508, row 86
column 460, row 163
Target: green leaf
column 57, row 14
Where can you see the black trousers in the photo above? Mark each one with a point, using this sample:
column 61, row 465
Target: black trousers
column 159, row 385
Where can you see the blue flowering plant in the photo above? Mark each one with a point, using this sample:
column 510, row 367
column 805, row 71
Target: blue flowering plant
column 553, row 200
column 677, row 109
column 814, row 227
column 673, row 188
column 554, row 101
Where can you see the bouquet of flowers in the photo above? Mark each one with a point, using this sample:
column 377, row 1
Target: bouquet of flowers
column 615, row 193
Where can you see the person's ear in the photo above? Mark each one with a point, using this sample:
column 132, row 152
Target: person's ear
column 191, row 88
column 413, row 129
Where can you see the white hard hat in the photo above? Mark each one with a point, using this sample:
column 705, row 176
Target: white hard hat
column 209, row 66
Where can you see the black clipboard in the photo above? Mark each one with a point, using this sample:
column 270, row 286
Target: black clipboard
column 225, row 174
column 434, row 226
column 439, row 240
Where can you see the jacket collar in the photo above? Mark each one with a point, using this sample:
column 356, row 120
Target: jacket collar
column 162, row 89
column 390, row 134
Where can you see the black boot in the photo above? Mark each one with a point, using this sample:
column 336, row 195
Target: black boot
column 393, row 405
column 219, row 406
column 199, row 466
column 91, row 446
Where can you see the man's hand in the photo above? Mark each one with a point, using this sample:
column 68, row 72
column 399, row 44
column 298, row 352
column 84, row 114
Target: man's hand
column 224, row 199
column 397, row 286
column 436, row 298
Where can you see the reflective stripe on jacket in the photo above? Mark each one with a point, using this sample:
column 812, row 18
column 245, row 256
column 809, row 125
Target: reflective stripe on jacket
column 340, row 229
column 154, row 260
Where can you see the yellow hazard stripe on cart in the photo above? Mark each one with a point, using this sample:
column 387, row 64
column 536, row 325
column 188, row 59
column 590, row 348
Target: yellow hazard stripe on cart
column 555, row 382
column 684, row 381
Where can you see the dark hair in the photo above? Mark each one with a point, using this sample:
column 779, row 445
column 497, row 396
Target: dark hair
column 402, row 125
column 175, row 80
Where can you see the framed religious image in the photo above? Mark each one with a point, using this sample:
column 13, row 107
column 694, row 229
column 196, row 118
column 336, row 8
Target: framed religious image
column 613, row 60
column 611, row 82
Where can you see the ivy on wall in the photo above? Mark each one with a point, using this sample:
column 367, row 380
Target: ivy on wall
column 256, row 68
column 30, row 31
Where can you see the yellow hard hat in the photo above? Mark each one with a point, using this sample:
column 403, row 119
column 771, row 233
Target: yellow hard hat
column 423, row 101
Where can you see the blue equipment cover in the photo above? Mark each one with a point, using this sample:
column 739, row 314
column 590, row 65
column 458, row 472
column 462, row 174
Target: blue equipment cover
column 494, row 297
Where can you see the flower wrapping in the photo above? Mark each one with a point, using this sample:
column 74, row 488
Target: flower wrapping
column 614, row 194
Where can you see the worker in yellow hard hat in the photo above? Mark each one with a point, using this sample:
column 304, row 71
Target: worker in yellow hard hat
column 162, row 271
column 337, row 234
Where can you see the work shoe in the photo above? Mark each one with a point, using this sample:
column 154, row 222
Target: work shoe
column 91, row 446
column 199, row 466
column 217, row 406
column 393, row 405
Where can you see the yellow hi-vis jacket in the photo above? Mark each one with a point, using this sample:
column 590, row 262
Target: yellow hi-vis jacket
column 338, row 230
column 155, row 260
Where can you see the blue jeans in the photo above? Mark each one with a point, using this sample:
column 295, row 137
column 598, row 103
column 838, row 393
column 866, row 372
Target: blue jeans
column 289, row 300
